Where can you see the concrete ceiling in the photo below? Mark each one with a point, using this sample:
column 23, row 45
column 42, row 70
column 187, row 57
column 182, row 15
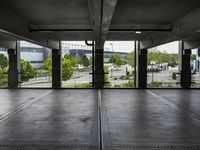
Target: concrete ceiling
column 46, row 22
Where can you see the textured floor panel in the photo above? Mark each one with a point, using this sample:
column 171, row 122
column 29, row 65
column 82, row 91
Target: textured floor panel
column 63, row 119
column 136, row 119
column 131, row 120
column 73, row 147
column 13, row 98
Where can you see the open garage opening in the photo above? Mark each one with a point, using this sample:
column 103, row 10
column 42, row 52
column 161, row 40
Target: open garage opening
column 163, row 70
column 34, row 69
column 195, row 68
column 4, row 66
column 119, row 64
column 77, row 63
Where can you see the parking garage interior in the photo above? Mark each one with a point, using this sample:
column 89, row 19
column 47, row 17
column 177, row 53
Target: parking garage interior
column 100, row 117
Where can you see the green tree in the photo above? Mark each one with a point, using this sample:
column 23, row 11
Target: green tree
column 116, row 59
column 162, row 57
column 27, row 70
column 3, row 61
column 112, row 59
column 78, row 59
column 193, row 57
column 48, row 65
column 3, row 76
column 85, row 61
column 90, row 60
column 130, row 58
column 68, row 67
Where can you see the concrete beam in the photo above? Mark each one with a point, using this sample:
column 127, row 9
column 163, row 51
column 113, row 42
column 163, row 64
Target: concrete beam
column 108, row 11
column 191, row 44
column 192, row 41
column 101, row 13
column 123, row 36
column 95, row 10
column 15, row 26
column 8, row 44
column 69, row 26
column 181, row 28
column 140, row 26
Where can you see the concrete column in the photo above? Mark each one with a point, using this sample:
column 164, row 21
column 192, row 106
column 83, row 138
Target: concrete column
column 57, row 67
column 185, row 72
column 141, row 78
column 14, row 66
column 99, row 68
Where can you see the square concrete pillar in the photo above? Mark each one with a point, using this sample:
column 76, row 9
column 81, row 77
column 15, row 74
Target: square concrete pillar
column 141, row 70
column 185, row 71
column 14, row 67
column 99, row 69
column 56, row 68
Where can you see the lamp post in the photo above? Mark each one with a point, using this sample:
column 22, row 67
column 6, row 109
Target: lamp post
column 152, row 63
column 111, row 44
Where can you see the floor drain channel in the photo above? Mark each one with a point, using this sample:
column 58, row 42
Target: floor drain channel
column 100, row 120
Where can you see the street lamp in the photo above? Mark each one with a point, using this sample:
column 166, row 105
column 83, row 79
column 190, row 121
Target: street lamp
column 111, row 44
column 152, row 63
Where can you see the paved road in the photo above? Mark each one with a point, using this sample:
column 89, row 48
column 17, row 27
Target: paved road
column 164, row 76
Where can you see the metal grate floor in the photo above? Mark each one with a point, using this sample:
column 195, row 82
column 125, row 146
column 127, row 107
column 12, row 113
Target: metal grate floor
column 71, row 120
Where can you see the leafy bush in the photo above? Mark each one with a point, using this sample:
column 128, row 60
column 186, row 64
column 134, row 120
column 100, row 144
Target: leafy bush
column 106, row 77
column 68, row 66
column 155, row 84
column 3, row 61
column 3, row 76
column 82, row 85
column 27, row 70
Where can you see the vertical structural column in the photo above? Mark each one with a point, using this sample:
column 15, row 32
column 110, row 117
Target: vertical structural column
column 185, row 72
column 141, row 66
column 99, row 68
column 57, row 67
column 14, row 66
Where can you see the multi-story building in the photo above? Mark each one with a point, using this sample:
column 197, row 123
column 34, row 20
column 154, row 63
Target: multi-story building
column 36, row 55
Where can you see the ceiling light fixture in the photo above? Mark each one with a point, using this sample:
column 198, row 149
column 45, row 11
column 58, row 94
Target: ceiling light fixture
column 138, row 32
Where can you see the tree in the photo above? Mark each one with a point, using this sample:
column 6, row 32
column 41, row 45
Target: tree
column 90, row 60
column 130, row 57
column 3, row 61
column 162, row 57
column 68, row 66
column 112, row 59
column 85, row 61
column 116, row 59
column 193, row 57
column 3, row 76
column 78, row 59
column 48, row 65
column 27, row 70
